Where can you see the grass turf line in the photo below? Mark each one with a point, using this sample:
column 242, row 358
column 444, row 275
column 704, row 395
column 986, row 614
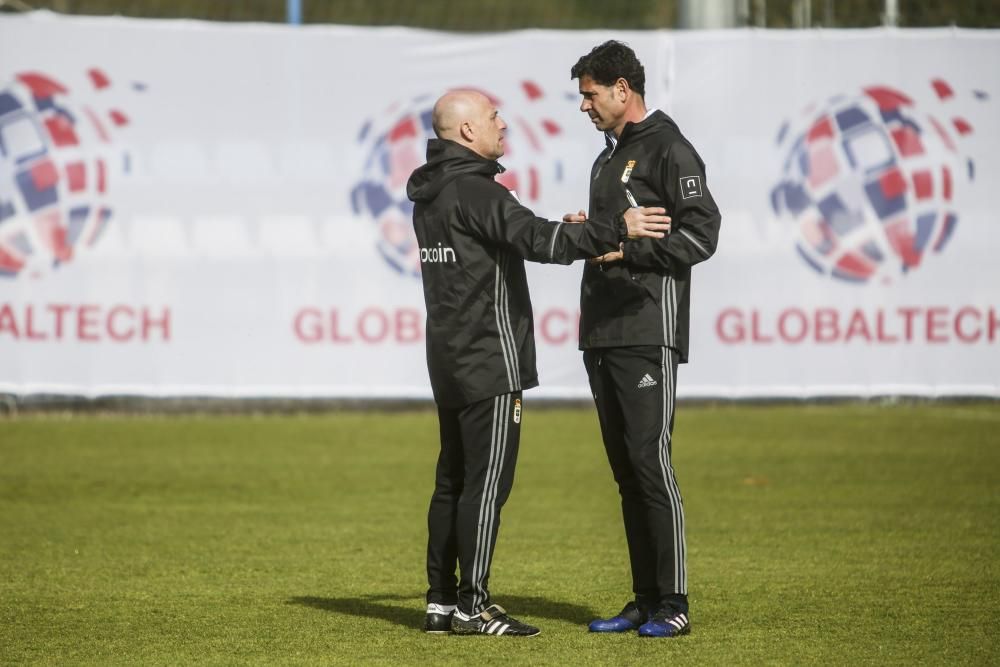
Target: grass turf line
column 835, row 534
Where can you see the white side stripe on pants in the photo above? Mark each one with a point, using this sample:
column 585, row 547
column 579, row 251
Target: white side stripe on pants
column 669, row 481
column 487, row 511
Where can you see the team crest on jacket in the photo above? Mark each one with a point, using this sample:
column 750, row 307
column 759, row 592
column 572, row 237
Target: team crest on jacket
column 517, row 410
column 627, row 174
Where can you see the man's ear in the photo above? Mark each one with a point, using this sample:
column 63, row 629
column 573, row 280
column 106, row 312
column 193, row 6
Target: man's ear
column 466, row 131
column 622, row 89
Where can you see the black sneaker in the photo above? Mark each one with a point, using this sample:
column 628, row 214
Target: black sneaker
column 666, row 623
column 629, row 618
column 493, row 621
column 438, row 618
column 437, row 624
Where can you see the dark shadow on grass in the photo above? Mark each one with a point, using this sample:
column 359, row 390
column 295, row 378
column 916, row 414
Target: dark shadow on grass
column 412, row 614
column 532, row 605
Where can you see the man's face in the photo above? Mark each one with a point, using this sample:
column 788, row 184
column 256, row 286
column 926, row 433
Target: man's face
column 601, row 103
column 489, row 131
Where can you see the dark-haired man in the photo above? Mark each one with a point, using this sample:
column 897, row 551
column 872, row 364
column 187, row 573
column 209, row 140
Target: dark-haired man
column 474, row 237
column 634, row 324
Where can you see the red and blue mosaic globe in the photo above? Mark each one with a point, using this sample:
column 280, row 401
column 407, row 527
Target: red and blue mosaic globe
column 56, row 158
column 869, row 181
column 396, row 142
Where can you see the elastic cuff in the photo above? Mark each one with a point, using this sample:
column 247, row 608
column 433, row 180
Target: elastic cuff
column 622, row 226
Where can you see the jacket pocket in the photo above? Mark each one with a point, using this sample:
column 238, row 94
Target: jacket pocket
column 651, row 283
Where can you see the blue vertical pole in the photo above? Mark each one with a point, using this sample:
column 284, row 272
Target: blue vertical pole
column 294, row 8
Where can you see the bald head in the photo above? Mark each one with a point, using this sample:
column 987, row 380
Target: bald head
column 454, row 108
column 469, row 118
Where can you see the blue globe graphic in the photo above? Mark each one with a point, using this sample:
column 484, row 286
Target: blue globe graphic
column 395, row 144
column 55, row 171
column 393, row 153
column 869, row 183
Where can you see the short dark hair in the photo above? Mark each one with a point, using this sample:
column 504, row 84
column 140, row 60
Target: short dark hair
column 610, row 61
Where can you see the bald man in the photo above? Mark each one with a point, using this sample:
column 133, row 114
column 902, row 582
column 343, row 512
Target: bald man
column 474, row 236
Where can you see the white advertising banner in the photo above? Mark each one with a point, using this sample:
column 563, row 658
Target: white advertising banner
column 195, row 209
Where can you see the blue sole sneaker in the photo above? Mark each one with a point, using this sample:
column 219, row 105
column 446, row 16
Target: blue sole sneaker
column 628, row 619
column 666, row 623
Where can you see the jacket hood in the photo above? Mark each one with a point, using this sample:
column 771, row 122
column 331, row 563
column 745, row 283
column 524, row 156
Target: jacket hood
column 446, row 160
column 653, row 123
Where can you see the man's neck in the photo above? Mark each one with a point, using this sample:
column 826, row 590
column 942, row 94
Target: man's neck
column 635, row 112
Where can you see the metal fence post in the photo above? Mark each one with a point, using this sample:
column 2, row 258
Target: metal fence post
column 891, row 16
column 294, row 11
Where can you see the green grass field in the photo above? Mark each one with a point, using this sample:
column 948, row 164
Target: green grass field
column 838, row 534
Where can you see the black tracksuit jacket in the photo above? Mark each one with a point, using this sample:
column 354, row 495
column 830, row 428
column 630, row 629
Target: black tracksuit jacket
column 474, row 237
column 644, row 299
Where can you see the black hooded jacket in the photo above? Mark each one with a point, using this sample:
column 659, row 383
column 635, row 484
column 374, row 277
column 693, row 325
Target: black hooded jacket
column 645, row 298
column 474, row 237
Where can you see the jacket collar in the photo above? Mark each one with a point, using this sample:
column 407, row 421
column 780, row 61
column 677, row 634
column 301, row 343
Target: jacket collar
column 612, row 141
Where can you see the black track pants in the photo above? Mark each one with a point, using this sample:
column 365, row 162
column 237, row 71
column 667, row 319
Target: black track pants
column 634, row 390
column 475, row 473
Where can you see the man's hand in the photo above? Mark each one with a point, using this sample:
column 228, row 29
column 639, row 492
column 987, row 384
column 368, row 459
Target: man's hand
column 580, row 216
column 613, row 256
column 650, row 221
